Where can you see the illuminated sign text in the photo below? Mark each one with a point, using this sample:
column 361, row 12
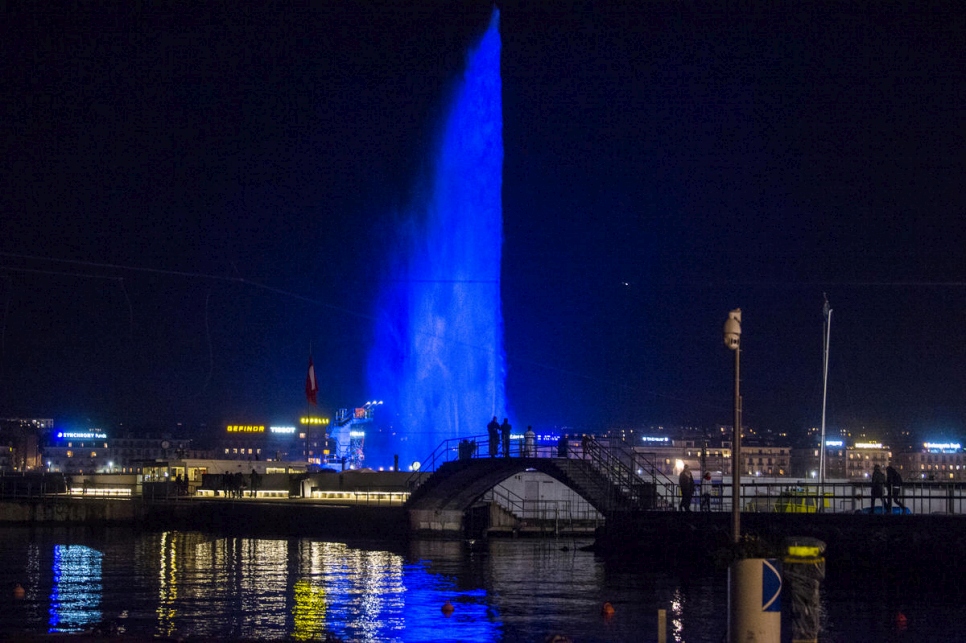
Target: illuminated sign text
column 79, row 435
column 246, row 428
column 942, row 446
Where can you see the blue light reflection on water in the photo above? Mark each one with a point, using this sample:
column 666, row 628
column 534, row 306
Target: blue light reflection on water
column 216, row 588
column 76, row 597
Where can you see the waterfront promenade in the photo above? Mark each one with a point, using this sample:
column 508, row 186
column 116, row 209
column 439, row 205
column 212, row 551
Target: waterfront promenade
column 929, row 543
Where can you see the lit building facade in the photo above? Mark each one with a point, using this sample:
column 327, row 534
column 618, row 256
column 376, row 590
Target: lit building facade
column 936, row 461
column 20, row 440
column 262, row 442
column 77, row 452
column 842, row 461
column 768, row 461
column 669, row 456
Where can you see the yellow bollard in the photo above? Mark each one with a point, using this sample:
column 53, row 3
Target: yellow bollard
column 804, row 566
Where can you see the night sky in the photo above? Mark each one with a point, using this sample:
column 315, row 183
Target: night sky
column 190, row 199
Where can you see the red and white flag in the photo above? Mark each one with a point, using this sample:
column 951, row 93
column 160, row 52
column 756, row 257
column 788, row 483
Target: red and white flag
column 311, row 386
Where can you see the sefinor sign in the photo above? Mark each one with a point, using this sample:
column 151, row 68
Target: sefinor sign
column 246, row 428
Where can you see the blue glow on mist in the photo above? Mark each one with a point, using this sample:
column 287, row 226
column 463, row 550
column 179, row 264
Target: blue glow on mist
column 437, row 359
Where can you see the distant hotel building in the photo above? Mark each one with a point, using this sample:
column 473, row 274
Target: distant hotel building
column 75, row 452
column 842, row 462
column 668, row 456
column 937, row 461
column 853, row 462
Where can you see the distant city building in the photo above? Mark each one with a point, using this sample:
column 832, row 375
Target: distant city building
column 262, row 442
column 843, row 461
column 668, row 456
column 20, row 443
column 75, row 452
column 935, row 461
column 762, row 460
column 130, row 453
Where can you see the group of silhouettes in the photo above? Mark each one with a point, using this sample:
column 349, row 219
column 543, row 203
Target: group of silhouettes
column 887, row 489
column 499, row 435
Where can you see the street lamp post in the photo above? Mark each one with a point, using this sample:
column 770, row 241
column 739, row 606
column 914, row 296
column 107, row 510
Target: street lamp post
column 732, row 339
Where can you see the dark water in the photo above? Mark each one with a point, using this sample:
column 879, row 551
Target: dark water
column 208, row 587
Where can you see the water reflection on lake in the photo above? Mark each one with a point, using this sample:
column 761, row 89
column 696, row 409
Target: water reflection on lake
column 215, row 587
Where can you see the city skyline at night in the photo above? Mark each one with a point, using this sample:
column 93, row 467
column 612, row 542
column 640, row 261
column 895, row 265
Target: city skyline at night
column 190, row 204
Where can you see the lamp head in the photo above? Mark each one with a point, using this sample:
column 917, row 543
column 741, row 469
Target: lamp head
column 732, row 329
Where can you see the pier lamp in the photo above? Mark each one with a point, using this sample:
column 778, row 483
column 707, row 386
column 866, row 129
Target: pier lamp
column 732, row 339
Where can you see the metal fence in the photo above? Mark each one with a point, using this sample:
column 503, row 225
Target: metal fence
column 783, row 496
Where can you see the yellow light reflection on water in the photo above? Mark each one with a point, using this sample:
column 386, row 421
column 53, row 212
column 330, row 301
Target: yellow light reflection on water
column 677, row 622
column 308, row 612
column 167, row 584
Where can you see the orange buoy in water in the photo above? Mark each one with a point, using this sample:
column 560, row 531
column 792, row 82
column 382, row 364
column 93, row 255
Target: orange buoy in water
column 18, row 591
column 607, row 609
column 447, row 608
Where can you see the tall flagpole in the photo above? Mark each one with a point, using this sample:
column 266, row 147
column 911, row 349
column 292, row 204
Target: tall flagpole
column 821, row 460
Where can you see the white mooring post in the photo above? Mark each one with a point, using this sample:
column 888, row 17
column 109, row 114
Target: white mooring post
column 754, row 601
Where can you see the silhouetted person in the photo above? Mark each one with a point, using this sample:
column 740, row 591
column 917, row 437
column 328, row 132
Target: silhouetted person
column 493, row 430
column 505, row 436
column 563, row 445
column 585, row 446
column 686, row 482
column 878, row 486
column 706, row 491
column 529, row 443
column 894, row 488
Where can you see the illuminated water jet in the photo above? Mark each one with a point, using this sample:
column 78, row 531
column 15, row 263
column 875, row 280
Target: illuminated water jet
column 437, row 358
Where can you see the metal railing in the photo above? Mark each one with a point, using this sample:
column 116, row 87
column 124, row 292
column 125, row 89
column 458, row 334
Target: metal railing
column 551, row 515
column 640, row 480
column 839, row 497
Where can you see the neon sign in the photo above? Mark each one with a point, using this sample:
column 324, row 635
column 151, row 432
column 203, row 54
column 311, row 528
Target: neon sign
column 943, row 447
column 650, row 439
column 246, row 428
column 868, row 445
column 282, row 429
column 79, row 435
column 834, row 443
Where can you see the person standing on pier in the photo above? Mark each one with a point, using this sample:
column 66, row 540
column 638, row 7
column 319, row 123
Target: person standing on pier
column 529, row 443
column 493, row 431
column 706, row 491
column 878, row 486
column 894, row 489
column 505, row 435
column 686, row 482
column 563, row 446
